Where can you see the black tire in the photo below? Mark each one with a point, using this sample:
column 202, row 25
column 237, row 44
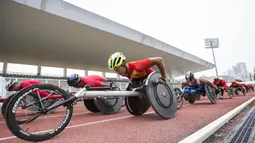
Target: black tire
column 210, row 92
column 19, row 132
column 221, row 93
column 243, row 91
column 230, row 94
column 191, row 101
column 137, row 105
column 90, row 105
column 5, row 104
column 179, row 98
column 231, row 91
column 236, row 92
column 198, row 97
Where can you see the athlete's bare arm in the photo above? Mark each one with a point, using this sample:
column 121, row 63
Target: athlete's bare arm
column 205, row 81
column 105, row 84
column 160, row 64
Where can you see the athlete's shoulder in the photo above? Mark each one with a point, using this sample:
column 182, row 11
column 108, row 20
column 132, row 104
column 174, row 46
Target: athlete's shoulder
column 201, row 78
column 139, row 61
column 140, row 64
column 28, row 81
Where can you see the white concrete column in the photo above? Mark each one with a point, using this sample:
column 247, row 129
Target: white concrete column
column 85, row 72
column 39, row 70
column 4, row 68
column 103, row 74
column 65, row 72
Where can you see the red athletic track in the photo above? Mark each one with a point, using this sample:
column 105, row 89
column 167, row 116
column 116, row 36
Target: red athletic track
column 88, row 127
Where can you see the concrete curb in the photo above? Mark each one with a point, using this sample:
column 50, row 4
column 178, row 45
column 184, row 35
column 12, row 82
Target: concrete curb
column 202, row 134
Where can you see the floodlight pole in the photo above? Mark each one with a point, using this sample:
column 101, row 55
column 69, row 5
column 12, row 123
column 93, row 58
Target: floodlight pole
column 216, row 70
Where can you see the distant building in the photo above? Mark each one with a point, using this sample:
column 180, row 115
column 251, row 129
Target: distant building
column 231, row 72
column 239, row 71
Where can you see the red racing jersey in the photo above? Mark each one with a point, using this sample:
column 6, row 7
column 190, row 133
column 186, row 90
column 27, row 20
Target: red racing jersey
column 245, row 85
column 248, row 85
column 236, row 84
column 221, row 83
column 27, row 83
column 139, row 69
column 92, row 81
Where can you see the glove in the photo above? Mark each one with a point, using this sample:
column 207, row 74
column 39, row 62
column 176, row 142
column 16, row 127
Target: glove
column 217, row 91
column 221, row 88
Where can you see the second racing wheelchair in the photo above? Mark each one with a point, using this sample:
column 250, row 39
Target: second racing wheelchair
column 191, row 94
column 222, row 90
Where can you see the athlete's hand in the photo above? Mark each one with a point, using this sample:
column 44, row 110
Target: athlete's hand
column 162, row 80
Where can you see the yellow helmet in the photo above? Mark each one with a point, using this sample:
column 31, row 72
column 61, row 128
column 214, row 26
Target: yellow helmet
column 115, row 60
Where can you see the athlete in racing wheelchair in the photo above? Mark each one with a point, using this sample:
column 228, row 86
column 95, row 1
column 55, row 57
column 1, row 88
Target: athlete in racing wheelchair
column 249, row 87
column 235, row 87
column 14, row 85
column 193, row 88
column 222, row 86
column 136, row 69
column 77, row 81
column 196, row 82
column 137, row 72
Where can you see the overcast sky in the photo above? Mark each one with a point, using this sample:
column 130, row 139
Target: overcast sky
column 185, row 23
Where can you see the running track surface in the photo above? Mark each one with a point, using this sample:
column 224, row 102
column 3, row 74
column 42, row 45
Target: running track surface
column 89, row 127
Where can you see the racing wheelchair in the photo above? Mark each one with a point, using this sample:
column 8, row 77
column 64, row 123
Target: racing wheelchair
column 191, row 94
column 228, row 90
column 236, row 89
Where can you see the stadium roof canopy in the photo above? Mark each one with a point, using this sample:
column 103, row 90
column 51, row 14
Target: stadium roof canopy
column 56, row 33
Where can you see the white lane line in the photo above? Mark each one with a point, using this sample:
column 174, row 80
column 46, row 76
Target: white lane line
column 55, row 116
column 79, row 125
